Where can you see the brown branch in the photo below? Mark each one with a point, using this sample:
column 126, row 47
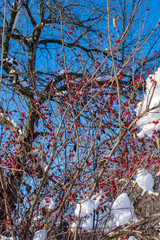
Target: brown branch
column 7, row 207
column 33, row 21
column 9, row 29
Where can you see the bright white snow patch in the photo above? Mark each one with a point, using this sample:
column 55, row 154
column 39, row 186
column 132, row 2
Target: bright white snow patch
column 12, row 121
column 49, row 172
column 132, row 238
column 73, row 226
column 8, row 60
column 145, row 181
column 6, row 238
column 84, row 208
column 123, row 210
column 38, row 217
column 98, row 198
column 103, row 78
column 40, row 235
column 151, row 120
column 88, row 224
column 87, row 207
column 12, row 73
column 153, row 193
column 49, row 203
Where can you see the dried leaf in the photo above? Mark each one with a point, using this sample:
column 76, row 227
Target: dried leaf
column 158, row 142
column 103, row 208
column 36, row 150
column 134, row 136
column 114, row 22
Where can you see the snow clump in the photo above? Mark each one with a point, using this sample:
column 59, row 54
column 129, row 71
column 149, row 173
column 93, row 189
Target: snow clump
column 145, row 181
column 40, row 235
column 150, row 121
column 123, row 210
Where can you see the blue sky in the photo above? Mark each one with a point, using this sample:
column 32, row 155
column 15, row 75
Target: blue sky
column 154, row 13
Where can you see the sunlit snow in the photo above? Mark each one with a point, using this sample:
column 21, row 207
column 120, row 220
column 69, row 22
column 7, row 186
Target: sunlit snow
column 150, row 121
column 88, row 224
column 6, row 238
column 73, row 226
column 49, row 203
column 145, row 181
column 40, row 235
column 123, row 210
column 86, row 207
column 132, row 238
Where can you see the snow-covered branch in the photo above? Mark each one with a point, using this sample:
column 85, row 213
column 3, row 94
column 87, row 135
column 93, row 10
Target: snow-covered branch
column 8, row 122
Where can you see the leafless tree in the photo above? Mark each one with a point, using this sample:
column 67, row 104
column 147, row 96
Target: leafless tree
column 72, row 73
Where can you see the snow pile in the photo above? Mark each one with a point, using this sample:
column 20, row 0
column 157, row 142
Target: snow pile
column 103, row 78
column 84, row 208
column 73, row 226
column 123, row 210
column 150, row 121
column 145, row 181
column 47, row 203
column 88, row 206
column 6, row 238
column 132, row 238
column 88, row 224
column 40, row 235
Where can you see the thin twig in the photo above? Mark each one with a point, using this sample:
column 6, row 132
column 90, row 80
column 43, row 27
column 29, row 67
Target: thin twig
column 3, row 42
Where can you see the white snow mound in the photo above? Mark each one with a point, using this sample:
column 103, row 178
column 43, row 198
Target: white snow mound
column 123, row 210
column 144, row 180
column 150, row 121
column 40, row 235
column 132, row 238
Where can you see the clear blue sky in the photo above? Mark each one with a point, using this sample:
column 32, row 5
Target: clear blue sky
column 154, row 13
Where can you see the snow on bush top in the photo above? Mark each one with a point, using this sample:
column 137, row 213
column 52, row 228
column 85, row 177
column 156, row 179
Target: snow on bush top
column 87, row 207
column 150, row 121
column 7, row 238
column 132, row 238
column 123, row 210
column 144, row 180
column 84, row 208
column 40, row 235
